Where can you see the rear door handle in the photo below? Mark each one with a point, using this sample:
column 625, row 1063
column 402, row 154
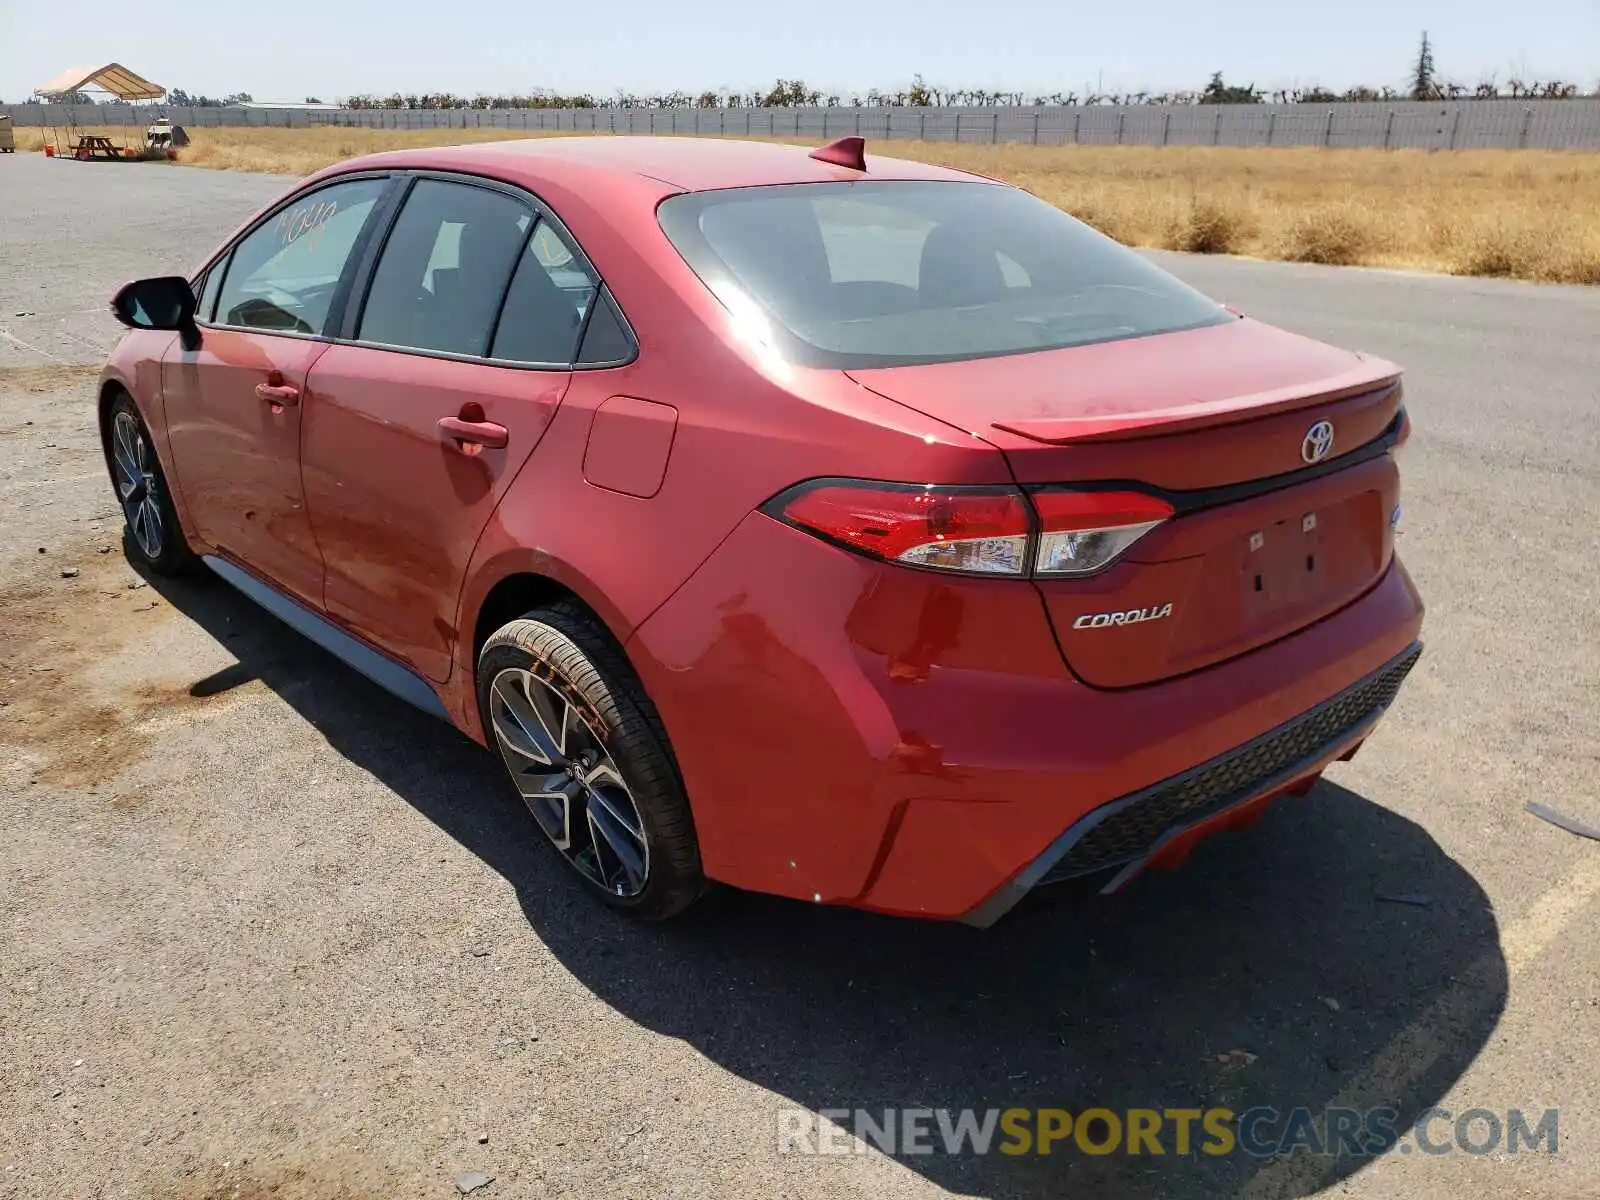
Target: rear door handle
column 473, row 433
column 278, row 393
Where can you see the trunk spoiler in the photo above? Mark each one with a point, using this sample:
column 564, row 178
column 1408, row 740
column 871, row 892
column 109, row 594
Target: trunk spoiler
column 1372, row 376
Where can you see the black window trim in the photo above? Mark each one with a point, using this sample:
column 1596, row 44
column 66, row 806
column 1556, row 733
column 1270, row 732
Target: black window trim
column 361, row 280
column 511, row 278
column 220, row 269
column 199, row 284
column 223, row 259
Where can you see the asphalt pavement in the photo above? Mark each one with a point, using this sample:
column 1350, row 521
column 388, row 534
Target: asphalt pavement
column 265, row 931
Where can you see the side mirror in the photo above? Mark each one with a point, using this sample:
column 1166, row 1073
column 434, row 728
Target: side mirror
column 165, row 302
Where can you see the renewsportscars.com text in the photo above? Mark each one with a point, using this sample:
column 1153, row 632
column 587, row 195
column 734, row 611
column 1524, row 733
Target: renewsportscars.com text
column 1261, row 1132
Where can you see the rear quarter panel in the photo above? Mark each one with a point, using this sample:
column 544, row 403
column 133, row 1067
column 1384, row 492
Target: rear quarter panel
column 741, row 436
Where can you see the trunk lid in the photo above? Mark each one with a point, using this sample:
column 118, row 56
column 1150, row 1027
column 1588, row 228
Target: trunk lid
column 1263, row 541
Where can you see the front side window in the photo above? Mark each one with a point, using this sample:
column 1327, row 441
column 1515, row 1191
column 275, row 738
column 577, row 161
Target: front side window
column 283, row 275
column 892, row 273
column 445, row 268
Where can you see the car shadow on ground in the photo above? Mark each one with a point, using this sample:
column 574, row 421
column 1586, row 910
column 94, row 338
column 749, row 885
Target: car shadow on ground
column 1269, row 971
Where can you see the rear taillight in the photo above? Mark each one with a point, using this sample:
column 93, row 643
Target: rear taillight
column 1402, row 435
column 981, row 531
column 1083, row 532
column 974, row 530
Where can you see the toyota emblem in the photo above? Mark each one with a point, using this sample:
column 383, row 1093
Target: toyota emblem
column 1318, row 442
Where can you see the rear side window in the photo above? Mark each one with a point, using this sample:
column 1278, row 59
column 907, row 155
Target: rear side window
column 606, row 340
column 894, row 273
column 283, row 275
column 551, row 293
column 445, row 268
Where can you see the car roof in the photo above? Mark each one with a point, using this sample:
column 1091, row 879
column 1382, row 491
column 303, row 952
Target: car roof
column 684, row 163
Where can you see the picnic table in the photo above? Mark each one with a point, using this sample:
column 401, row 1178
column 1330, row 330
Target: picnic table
column 92, row 146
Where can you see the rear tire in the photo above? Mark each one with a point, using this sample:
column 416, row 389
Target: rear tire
column 589, row 757
column 152, row 536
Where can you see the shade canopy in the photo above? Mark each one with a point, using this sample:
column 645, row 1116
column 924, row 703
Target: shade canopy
column 114, row 78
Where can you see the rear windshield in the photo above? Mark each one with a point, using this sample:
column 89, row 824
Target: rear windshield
column 898, row 273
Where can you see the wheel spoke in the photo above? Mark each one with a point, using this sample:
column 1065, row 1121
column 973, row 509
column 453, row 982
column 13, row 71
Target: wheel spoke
column 605, row 782
column 150, row 512
column 554, row 713
column 520, row 727
column 125, row 440
column 133, row 444
column 559, row 785
column 129, row 476
column 552, row 808
column 614, row 843
column 575, row 734
column 616, row 830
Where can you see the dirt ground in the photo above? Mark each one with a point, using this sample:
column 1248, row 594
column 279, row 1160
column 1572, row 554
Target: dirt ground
column 267, row 932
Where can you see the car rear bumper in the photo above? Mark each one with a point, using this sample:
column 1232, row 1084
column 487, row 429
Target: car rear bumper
column 1132, row 832
column 856, row 733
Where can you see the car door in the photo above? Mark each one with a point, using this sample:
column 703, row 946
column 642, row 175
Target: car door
column 460, row 355
column 233, row 405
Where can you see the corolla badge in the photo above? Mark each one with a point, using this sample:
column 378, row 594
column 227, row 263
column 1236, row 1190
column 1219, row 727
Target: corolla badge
column 1133, row 616
column 1318, row 442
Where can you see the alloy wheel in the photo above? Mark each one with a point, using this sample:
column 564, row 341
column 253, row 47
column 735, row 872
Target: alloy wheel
column 138, row 487
column 569, row 781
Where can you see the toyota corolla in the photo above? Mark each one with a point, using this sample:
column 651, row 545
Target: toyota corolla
column 845, row 528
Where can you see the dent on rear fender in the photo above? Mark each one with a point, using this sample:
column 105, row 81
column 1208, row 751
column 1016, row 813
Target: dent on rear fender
column 778, row 746
column 809, row 694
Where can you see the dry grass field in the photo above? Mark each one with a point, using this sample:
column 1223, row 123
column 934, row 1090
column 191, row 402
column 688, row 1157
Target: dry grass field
column 1522, row 214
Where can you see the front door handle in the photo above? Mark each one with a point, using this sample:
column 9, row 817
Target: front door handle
column 278, row 393
column 477, row 434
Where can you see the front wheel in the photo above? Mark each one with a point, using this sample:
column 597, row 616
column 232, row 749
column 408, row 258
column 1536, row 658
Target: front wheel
column 589, row 757
column 153, row 537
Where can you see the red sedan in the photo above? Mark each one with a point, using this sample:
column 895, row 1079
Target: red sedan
column 850, row 529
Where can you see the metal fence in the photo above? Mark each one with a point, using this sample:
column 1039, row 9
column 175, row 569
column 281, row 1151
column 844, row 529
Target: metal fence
column 1491, row 124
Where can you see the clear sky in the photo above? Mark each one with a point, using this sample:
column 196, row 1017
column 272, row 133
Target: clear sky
column 332, row 48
